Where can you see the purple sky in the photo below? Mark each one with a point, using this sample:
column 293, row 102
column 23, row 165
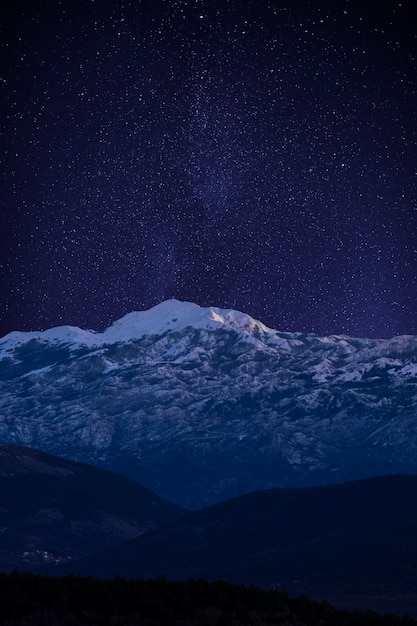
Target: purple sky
column 259, row 155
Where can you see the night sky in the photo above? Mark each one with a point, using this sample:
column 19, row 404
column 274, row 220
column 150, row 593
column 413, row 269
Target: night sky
column 258, row 155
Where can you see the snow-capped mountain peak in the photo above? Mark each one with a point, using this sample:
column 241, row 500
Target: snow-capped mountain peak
column 176, row 315
column 167, row 316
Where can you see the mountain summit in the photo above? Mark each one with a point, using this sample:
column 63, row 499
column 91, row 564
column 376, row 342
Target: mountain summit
column 202, row 404
column 168, row 316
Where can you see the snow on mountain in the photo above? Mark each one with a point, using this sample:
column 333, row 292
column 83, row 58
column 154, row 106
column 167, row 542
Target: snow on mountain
column 200, row 404
column 165, row 317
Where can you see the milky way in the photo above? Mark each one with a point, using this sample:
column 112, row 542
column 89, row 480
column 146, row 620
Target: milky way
column 259, row 155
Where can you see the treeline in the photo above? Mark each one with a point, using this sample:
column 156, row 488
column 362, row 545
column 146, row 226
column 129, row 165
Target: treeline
column 35, row 600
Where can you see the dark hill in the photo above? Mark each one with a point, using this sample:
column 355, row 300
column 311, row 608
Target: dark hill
column 68, row 601
column 354, row 544
column 53, row 510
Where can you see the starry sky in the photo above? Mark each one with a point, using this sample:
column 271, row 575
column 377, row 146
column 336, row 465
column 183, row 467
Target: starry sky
column 250, row 154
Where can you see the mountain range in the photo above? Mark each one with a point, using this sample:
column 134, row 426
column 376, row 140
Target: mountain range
column 354, row 544
column 204, row 404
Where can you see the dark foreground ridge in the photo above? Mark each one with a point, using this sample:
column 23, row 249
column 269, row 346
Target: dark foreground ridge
column 31, row 600
column 354, row 544
column 53, row 510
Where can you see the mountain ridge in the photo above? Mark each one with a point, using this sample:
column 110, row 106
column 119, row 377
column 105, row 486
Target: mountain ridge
column 354, row 544
column 172, row 315
column 164, row 317
column 53, row 510
column 215, row 405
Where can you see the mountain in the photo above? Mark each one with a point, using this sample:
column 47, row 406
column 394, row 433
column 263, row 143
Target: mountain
column 203, row 404
column 353, row 544
column 53, row 510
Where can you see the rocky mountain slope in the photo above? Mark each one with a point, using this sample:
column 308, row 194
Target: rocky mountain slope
column 201, row 404
column 53, row 510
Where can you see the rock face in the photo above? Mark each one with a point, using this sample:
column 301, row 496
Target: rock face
column 202, row 404
column 53, row 511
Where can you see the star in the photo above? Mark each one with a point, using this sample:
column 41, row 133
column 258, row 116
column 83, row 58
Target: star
column 260, row 157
